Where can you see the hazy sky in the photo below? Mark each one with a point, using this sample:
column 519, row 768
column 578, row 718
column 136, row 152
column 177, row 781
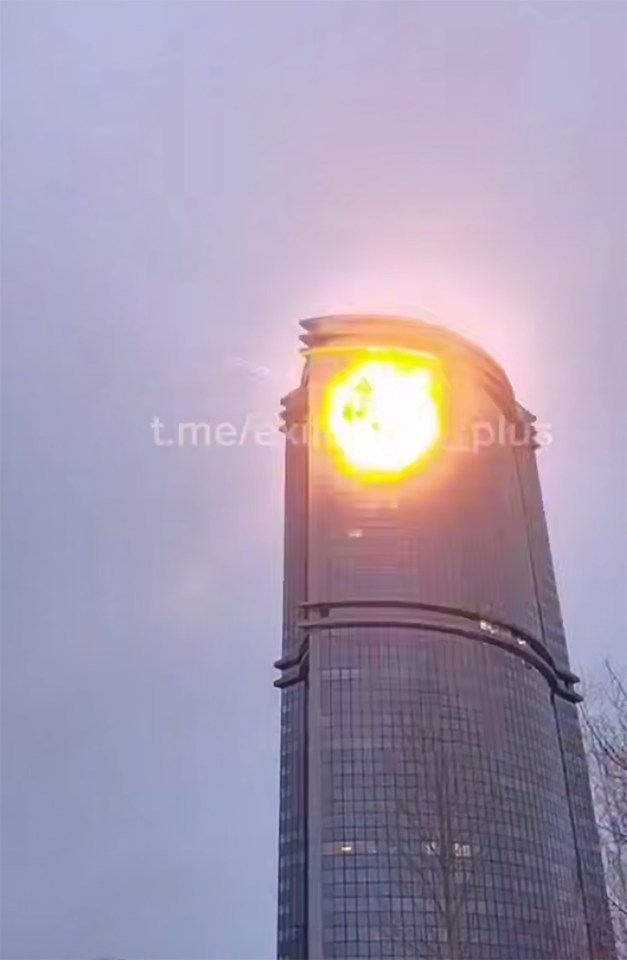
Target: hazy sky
column 182, row 182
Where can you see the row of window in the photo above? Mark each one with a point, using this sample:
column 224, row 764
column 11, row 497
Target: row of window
column 429, row 847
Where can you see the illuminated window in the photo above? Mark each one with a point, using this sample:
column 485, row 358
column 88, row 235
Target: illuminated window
column 462, row 850
column 348, row 847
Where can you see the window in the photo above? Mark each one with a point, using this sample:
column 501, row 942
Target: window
column 462, row 849
column 345, row 847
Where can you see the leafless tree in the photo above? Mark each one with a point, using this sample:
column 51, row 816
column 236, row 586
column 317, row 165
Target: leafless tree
column 447, row 833
column 437, row 854
column 439, row 858
column 605, row 735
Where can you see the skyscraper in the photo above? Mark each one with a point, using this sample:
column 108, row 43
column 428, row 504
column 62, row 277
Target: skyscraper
column 434, row 792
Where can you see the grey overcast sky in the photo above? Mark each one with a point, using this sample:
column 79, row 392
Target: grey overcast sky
column 182, row 181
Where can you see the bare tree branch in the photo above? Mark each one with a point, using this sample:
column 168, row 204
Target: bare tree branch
column 605, row 736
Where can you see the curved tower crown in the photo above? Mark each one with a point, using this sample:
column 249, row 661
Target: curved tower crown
column 431, row 761
column 403, row 332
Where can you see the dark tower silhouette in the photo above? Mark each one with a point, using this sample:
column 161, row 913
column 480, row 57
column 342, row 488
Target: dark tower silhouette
column 435, row 799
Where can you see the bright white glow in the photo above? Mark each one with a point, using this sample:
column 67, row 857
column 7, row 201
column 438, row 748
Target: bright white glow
column 384, row 414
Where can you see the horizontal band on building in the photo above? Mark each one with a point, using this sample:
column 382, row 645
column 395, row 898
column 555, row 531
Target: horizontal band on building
column 354, row 333
column 487, row 622
column 492, row 632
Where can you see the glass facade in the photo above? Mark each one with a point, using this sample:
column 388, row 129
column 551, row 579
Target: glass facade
column 434, row 794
